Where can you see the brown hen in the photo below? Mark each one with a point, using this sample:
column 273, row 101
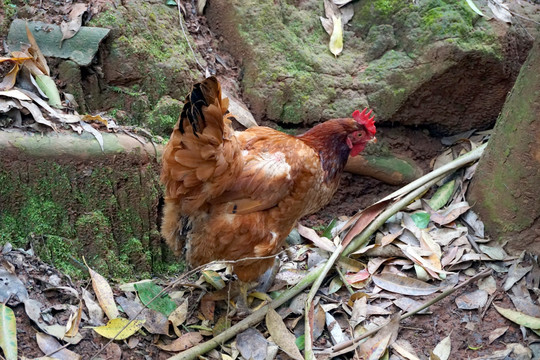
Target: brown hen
column 232, row 195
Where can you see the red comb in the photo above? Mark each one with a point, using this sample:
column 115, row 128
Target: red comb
column 364, row 119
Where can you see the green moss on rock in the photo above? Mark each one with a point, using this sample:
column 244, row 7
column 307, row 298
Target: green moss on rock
column 104, row 209
column 148, row 57
column 391, row 48
column 164, row 116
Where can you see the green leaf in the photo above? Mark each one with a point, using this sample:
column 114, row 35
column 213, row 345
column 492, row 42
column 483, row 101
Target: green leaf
column 301, row 342
column 519, row 318
column 147, row 291
column 421, row 219
column 442, row 195
column 8, row 332
column 327, row 233
column 47, row 85
column 474, row 8
column 213, row 278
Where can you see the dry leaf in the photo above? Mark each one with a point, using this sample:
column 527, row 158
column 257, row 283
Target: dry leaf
column 403, row 285
column 336, row 333
column 70, row 29
column 374, row 347
column 251, row 344
column 321, row 242
column 281, row 335
column 113, row 327
column 48, row 344
column 405, row 350
column 443, row 348
column 40, row 61
column 178, row 316
column 72, row 326
column 104, row 293
column 498, row 332
column 94, row 311
column 184, row 342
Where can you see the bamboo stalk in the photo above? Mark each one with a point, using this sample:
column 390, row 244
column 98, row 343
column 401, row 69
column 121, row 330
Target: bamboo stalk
column 308, row 353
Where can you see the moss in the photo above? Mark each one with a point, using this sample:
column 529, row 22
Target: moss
column 153, row 55
column 164, row 116
column 41, row 200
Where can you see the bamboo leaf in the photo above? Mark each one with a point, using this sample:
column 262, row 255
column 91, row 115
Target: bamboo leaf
column 8, row 332
column 104, row 293
column 403, row 285
column 519, row 318
column 474, row 8
column 281, row 335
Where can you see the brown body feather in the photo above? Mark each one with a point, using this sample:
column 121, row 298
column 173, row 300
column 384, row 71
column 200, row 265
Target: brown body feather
column 232, row 195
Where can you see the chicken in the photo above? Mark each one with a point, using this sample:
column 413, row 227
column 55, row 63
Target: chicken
column 232, row 195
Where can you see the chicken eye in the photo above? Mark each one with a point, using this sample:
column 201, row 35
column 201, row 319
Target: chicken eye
column 359, row 134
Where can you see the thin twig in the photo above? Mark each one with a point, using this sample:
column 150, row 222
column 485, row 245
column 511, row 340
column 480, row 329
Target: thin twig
column 346, row 344
column 57, row 350
column 185, row 35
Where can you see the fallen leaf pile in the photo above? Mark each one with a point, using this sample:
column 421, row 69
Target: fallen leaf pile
column 419, row 253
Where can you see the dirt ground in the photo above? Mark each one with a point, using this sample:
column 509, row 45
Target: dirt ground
column 355, row 192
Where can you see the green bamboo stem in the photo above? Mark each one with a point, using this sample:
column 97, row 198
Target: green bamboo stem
column 308, row 352
column 451, row 166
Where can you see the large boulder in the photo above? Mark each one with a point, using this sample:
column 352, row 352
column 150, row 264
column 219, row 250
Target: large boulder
column 436, row 63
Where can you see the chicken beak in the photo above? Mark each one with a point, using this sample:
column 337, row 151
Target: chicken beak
column 374, row 140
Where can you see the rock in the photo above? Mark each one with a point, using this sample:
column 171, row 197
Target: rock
column 435, row 64
column 164, row 116
column 75, row 200
column 380, row 39
column 81, row 48
column 146, row 58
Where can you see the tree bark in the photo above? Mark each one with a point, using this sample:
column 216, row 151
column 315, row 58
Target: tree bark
column 506, row 186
